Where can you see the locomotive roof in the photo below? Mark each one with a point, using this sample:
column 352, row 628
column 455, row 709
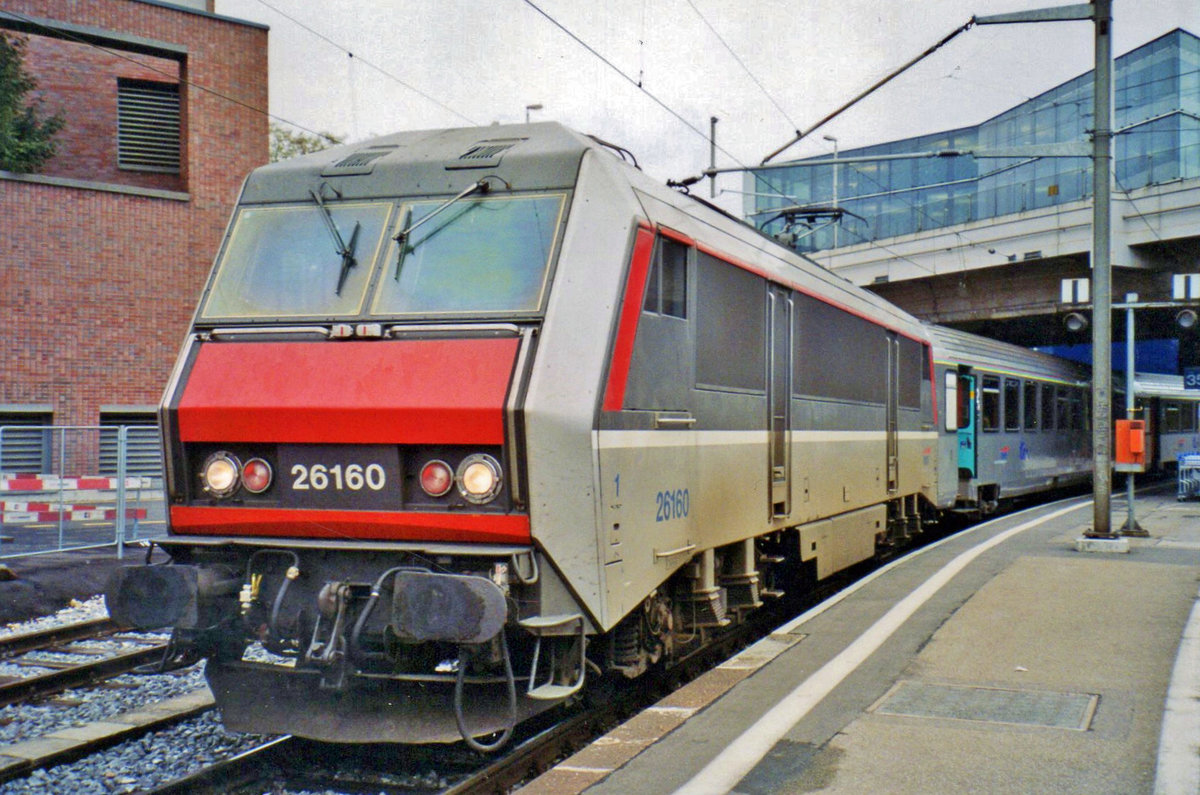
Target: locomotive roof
column 542, row 156
column 961, row 347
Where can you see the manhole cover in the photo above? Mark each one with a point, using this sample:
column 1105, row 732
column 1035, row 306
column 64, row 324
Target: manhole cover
column 993, row 705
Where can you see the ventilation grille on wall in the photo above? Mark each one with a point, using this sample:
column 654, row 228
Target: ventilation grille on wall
column 148, row 126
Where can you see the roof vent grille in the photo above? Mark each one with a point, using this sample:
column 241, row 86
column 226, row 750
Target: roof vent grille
column 485, row 154
column 360, row 162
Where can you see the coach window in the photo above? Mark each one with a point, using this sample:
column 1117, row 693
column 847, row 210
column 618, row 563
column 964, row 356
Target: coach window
column 1062, row 408
column 1187, row 417
column 1031, row 406
column 1012, row 404
column 1047, row 407
column 952, row 408
column 666, row 290
column 1077, row 410
column 1171, row 417
column 990, row 418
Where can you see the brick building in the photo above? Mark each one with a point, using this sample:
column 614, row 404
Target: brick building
column 104, row 252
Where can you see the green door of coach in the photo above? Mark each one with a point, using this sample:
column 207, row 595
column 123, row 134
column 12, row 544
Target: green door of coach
column 966, row 426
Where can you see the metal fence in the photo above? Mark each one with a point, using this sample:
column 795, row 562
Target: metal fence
column 79, row 487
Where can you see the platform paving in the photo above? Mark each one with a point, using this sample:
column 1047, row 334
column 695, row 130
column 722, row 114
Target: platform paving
column 1033, row 668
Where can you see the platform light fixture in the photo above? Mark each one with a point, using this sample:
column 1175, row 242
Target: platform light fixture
column 1075, row 321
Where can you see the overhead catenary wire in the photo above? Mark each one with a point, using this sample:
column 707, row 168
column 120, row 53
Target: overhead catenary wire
column 872, row 89
column 745, row 68
column 367, row 63
column 631, row 80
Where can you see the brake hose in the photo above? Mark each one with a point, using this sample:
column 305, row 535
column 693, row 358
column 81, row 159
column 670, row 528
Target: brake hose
column 506, row 734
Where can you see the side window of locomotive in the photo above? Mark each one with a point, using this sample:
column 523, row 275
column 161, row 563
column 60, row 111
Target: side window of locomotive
column 914, row 373
column 838, row 355
column 666, row 287
column 731, row 337
column 1031, row 406
column 990, row 416
column 1048, row 407
column 1012, row 404
column 475, row 255
column 1187, row 417
column 1171, row 422
column 283, row 262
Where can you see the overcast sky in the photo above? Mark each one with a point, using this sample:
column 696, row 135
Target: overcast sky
column 484, row 61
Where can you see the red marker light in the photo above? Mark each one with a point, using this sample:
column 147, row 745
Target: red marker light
column 436, row 478
column 256, row 476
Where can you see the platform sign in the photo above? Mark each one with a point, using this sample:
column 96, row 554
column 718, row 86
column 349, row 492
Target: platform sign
column 1191, row 378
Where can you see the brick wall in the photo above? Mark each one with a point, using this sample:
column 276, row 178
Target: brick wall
column 97, row 288
column 79, row 82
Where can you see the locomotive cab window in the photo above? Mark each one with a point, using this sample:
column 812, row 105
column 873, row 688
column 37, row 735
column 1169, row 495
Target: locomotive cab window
column 479, row 255
column 283, row 262
column 666, row 286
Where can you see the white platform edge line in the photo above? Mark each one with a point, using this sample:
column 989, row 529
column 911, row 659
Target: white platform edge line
column 730, row 766
column 1178, row 770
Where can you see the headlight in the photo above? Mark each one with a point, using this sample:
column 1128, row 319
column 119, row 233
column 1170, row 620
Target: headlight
column 256, row 476
column 220, row 474
column 479, row 478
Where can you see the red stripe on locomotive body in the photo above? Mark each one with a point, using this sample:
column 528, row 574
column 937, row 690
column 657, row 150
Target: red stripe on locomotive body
column 358, row 525
column 631, row 307
column 353, row 392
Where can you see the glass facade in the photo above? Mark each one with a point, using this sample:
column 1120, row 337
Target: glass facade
column 1157, row 139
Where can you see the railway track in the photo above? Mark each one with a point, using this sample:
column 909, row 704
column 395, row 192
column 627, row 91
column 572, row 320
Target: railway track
column 292, row 763
column 97, row 666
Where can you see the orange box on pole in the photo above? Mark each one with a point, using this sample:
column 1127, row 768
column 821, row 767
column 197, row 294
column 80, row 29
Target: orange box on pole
column 1130, row 443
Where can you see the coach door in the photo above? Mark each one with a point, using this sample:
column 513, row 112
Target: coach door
column 966, row 425
column 779, row 384
column 893, row 413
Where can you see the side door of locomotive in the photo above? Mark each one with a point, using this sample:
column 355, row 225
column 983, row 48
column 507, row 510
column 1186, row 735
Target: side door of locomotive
column 779, row 399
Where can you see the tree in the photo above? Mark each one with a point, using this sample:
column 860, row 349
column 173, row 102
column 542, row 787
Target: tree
column 26, row 134
column 285, row 143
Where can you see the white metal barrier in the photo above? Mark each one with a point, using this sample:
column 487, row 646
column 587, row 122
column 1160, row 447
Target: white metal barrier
column 84, row 488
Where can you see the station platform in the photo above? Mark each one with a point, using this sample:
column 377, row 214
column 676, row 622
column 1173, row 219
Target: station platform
column 1000, row 659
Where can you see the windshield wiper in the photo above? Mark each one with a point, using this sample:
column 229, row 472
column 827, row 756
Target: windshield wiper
column 346, row 251
column 402, row 237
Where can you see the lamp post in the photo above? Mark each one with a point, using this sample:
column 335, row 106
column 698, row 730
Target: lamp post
column 1131, row 526
column 834, row 141
column 536, row 106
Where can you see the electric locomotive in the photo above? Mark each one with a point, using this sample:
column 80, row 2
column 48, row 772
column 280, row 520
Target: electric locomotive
column 468, row 416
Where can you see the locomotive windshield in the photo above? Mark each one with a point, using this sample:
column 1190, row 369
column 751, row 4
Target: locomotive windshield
column 482, row 255
column 280, row 262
